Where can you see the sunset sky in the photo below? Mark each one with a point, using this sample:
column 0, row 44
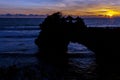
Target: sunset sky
column 71, row 7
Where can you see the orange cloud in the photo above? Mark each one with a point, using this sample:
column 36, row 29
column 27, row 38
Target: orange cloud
column 67, row 7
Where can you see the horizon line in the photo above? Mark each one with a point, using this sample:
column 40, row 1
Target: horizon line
column 19, row 15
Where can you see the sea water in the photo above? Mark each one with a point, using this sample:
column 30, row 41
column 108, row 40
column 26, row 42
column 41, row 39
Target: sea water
column 17, row 35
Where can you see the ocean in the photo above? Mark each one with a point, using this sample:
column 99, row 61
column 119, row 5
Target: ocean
column 102, row 22
column 17, row 36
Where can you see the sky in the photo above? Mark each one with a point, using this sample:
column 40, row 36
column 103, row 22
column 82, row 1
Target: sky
column 67, row 7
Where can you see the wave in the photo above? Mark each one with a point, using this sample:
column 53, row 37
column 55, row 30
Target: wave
column 20, row 28
column 20, row 21
column 19, row 33
column 18, row 36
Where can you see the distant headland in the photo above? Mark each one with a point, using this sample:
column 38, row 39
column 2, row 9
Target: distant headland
column 8, row 15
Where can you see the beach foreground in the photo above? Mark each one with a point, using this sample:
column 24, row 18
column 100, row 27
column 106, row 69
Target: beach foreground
column 30, row 69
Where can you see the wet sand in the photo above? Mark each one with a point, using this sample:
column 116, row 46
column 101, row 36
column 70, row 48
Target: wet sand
column 27, row 67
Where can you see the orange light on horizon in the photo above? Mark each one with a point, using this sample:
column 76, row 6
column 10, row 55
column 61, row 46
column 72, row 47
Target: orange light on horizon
column 111, row 13
column 108, row 13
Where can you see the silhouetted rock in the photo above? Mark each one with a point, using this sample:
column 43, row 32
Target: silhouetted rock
column 56, row 33
column 105, row 43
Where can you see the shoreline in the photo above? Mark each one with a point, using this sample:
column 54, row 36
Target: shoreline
column 70, row 55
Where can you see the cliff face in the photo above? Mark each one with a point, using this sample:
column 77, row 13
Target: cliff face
column 104, row 42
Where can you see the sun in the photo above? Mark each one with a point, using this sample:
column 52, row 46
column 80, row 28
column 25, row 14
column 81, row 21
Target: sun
column 111, row 13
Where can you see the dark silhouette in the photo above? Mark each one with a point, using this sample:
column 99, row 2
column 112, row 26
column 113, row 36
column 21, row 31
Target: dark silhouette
column 52, row 42
column 56, row 33
column 105, row 43
column 52, row 38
